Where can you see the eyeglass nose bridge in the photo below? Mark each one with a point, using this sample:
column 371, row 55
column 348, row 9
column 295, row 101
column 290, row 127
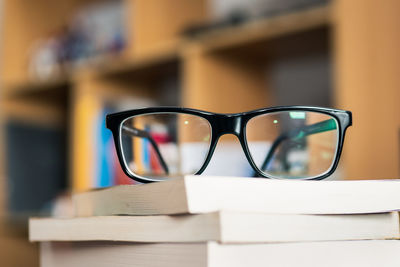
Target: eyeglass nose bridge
column 223, row 124
column 228, row 124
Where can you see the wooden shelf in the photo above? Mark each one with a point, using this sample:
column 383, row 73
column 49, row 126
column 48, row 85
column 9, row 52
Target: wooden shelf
column 263, row 29
column 44, row 114
column 107, row 68
column 217, row 40
column 152, row 42
column 34, row 86
column 139, row 64
column 37, row 102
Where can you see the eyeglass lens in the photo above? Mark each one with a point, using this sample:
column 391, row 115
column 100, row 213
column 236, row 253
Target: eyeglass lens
column 293, row 144
column 165, row 145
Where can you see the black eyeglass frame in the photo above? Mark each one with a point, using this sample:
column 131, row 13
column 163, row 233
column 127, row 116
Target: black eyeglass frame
column 220, row 123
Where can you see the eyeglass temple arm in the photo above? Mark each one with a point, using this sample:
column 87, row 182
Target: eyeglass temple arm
column 140, row 133
column 298, row 133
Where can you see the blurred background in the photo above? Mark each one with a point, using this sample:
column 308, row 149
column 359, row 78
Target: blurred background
column 66, row 63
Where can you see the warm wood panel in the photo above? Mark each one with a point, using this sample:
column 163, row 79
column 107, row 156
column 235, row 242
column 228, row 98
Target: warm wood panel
column 367, row 42
column 223, row 83
column 16, row 251
column 156, row 24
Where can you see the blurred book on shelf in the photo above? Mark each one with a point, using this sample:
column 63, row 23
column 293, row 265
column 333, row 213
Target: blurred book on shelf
column 106, row 169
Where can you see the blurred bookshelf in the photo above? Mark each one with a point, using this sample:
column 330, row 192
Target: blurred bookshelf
column 177, row 52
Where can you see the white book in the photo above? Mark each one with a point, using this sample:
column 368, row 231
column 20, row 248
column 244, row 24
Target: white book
column 223, row 227
column 204, row 194
column 328, row 254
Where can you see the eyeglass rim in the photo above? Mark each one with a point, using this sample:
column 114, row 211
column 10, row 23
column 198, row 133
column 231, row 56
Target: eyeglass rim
column 158, row 113
column 114, row 123
column 269, row 175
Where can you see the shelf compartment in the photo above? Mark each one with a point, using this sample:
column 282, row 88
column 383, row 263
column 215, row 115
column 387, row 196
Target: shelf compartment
column 262, row 30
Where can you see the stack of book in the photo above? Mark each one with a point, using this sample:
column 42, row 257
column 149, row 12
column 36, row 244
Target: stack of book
column 226, row 221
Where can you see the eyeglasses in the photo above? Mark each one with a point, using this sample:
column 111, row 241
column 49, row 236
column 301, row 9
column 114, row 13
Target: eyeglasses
column 294, row 142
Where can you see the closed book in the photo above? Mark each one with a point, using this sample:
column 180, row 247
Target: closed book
column 223, row 227
column 212, row 254
column 204, row 194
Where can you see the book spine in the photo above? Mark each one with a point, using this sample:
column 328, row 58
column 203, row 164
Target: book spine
column 106, row 164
